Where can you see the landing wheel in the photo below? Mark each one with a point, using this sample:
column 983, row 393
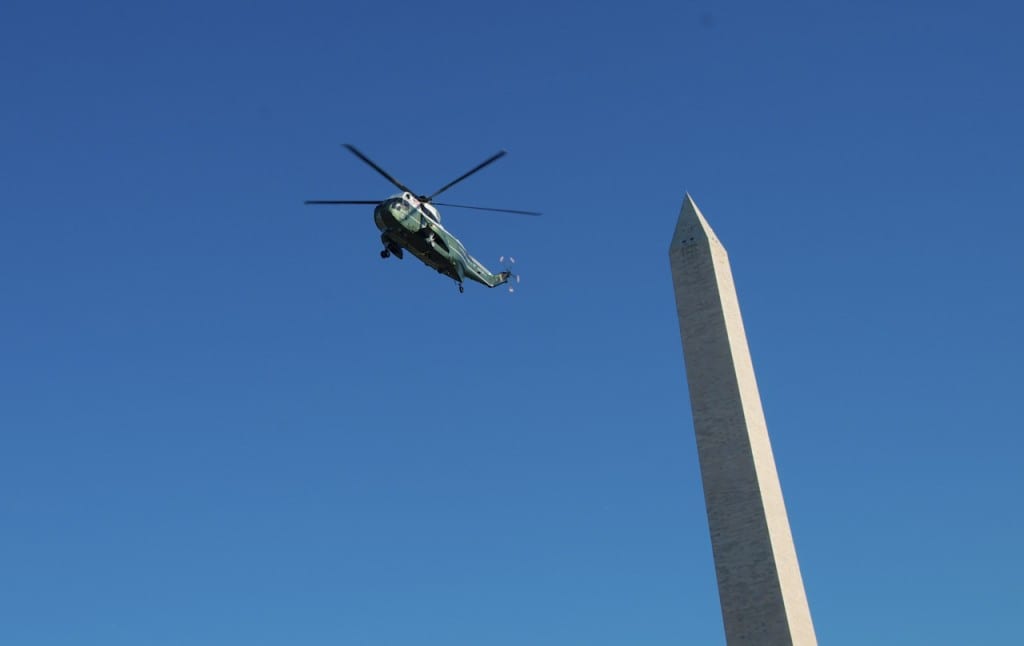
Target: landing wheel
column 385, row 253
column 461, row 288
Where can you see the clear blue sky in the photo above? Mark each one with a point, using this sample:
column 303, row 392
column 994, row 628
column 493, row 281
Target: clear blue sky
column 224, row 420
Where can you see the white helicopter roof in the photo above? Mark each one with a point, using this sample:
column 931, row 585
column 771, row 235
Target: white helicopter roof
column 426, row 207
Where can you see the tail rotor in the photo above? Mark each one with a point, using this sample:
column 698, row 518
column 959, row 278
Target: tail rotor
column 508, row 265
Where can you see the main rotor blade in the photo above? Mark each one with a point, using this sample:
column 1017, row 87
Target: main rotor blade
column 489, row 160
column 355, row 151
column 484, row 208
column 342, row 202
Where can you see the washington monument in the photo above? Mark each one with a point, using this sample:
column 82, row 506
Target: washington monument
column 759, row 583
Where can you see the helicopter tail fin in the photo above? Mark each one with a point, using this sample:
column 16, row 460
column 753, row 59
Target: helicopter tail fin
column 493, row 280
column 505, row 278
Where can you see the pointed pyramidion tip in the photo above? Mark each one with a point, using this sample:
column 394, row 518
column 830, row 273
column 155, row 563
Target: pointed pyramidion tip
column 691, row 225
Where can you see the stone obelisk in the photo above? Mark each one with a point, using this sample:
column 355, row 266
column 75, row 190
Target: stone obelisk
column 759, row 582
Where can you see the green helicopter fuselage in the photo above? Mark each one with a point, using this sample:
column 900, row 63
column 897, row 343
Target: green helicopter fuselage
column 407, row 223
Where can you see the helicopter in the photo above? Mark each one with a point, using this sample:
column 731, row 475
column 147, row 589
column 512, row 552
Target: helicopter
column 408, row 221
